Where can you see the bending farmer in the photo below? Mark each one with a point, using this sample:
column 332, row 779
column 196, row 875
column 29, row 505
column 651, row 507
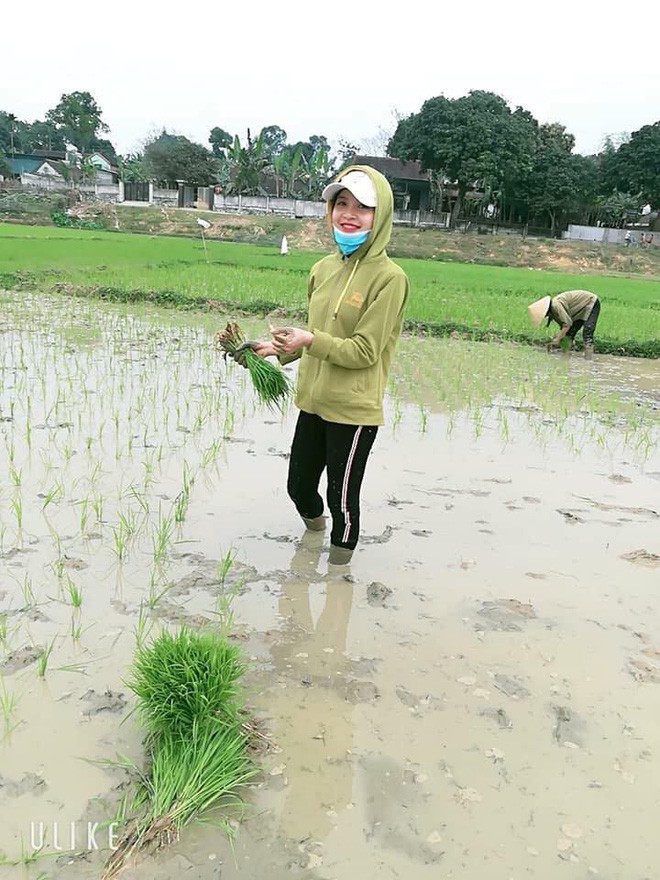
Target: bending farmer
column 572, row 310
column 356, row 300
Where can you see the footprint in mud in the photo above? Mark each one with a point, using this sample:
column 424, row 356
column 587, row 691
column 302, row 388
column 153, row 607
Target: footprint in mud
column 510, row 685
column 568, row 729
column 110, row 701
column 644, row 512
column 29, row 784
column 356, row 691
column 646, row 668
column 499, row 716
column 393, row 807
column 377, row 594
column 570, row 517
column 383, row 538
column 20, row 659
column 642, row 557
column 619, row 478
column 504, row 615
column 418, row 705
column 642, row 670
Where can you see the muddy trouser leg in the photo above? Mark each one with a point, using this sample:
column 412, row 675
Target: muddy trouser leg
column 590, row 324
column 306, row 464
column 573, row 329
column 348, row 448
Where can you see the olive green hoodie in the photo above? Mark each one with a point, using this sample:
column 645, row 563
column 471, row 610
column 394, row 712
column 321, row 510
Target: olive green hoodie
column 356, row 307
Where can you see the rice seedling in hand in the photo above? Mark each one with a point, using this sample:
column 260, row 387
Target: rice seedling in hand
column 270, row 383
column 190, row 703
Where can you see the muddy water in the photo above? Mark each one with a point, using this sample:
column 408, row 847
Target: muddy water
column 475, row 697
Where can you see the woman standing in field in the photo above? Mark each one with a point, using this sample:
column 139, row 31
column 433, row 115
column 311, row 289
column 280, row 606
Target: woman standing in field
column 356, row 300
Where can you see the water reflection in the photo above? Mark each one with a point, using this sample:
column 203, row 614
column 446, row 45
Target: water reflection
column 312, row 717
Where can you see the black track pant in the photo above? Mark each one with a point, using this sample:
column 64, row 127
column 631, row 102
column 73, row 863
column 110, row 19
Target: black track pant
column 589, row 325
column 342, row 450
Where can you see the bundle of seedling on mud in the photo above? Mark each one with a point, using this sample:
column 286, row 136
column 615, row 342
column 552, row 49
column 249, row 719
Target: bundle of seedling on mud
column 270, row 383
column 198, row 737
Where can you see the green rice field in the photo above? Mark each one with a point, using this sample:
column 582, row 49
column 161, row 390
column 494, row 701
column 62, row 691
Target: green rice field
column 478, row 302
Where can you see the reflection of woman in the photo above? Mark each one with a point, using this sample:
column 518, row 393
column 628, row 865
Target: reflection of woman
column 312, row 718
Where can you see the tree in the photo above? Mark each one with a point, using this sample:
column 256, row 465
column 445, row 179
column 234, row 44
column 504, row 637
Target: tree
column 78, row 118
column 5, row 170
column 469, row 140
column 552, row 185
column 131, row 168
column 10, row 140
column 347, row 151
column 274, row 139
column 617, row 208
column 220, row 141
column 635, row 165
column 248, row 164
column 102, row 145
column 42, row 136
column 170, row 157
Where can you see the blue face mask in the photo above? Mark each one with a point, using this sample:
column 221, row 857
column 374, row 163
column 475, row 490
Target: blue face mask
column 348, row 242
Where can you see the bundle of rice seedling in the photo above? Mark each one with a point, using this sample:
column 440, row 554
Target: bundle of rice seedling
column 198, row 736
column 270, row 383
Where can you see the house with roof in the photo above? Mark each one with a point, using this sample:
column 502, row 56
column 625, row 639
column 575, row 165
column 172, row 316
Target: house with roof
column 53, row 169
column 31, row 169
column 106, row 172
column 410, row 184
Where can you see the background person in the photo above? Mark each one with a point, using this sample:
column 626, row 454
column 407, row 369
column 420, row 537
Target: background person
column 572, row 310
column 356, row 300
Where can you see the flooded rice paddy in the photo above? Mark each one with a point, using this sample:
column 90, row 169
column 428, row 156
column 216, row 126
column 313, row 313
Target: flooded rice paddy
column 475, row 697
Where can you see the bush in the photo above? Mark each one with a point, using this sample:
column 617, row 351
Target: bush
column 61, row 218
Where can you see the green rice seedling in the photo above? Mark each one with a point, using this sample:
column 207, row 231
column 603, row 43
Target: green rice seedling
column 74, row 593
column 7, row 707
column 142, row 627
column 28, row 592
column 211, row 453
column 190, row 703
column 53, row 494
column 270, row 383
column 17, row 509
column 225, row 565
column 182, row 500
column 76, row 628
column 42, row 663
column 97, row 507
column 163, row 536
column 123, row 533
column 156, row 588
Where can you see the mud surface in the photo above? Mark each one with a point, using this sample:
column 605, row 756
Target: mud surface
column 475, row 696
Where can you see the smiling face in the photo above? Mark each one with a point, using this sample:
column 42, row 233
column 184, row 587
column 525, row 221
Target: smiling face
column 349, row 215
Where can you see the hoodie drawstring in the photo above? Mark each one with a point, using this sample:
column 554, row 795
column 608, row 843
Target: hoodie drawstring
column 345, row 288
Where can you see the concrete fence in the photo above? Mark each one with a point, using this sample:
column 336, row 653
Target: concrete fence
column 607, row 235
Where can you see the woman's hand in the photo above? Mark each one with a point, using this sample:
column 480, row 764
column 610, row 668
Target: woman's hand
column 287, row 340
column 262, row 347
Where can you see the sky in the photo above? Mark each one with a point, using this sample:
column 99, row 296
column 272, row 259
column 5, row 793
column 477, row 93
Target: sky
column 334, row 70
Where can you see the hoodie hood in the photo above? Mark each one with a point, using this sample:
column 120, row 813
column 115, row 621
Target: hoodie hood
column 382, row 228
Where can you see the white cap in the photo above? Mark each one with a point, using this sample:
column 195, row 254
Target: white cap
column 356, row 182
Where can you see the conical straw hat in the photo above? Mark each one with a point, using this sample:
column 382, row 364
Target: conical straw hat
column 538, row 310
